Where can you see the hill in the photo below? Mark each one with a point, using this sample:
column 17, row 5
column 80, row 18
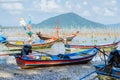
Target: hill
column 68, row 20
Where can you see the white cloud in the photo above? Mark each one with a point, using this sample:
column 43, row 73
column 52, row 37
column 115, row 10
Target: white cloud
column 114, row 1
column 12, row 8
column 15, row 12
column 9, row 1
column 86, row 13
column 71, row 6
column 47, row 6
column 104, row 11
column 85, row 2
column 98, row 10
column 107, row 8
column 108, row 12
column 68, row 5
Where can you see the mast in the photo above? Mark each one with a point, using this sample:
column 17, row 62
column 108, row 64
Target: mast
column 57, row 29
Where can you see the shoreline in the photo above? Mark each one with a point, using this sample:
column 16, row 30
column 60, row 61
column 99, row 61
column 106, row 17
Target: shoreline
column 67, row 72
column 10, row 71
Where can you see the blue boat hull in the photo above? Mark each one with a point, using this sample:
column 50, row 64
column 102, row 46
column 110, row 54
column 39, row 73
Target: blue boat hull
column 114, row 74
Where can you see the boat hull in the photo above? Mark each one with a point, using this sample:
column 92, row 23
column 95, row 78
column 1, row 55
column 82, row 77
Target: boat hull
column 103, row 75
column 79, row 57
column 107, row 47
column 34, row 46
column 69, row 38
column 49, row 63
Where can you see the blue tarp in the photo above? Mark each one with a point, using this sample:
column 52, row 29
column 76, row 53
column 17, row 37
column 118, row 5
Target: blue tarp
column 39, row 42
column 3, row 39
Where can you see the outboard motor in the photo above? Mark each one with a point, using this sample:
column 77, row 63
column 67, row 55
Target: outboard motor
column 114, row 58
column 27, row 48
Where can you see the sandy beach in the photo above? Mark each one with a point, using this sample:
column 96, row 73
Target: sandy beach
column 10, row 71
column 68, row 72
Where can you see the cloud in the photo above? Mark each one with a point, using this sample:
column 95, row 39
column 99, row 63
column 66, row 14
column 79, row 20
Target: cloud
column 98, row 10
column 71, row 6
column 12, row 8
column 108, row 12
column 68, row 5
column 108, row 8
column 47, row 6
column 58, row 6
column 85, row 2
column 9, row 1
column 114, row 1
column 86, row 13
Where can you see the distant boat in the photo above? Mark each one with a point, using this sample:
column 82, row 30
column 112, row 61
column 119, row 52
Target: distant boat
column 57, row 35
column 70, row 37
column 41, row 36
column 44, row 59
column 67, row 37
column 112, row 45
column 41, row 44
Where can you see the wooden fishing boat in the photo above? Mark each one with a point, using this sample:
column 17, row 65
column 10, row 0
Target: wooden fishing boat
column 35, row 44
column 67, row 37
column 111, row 69
column 113, row 45
column 70, row 37
column 46, row 37
column 43, row 37
column 41, row 59
column 104, row 75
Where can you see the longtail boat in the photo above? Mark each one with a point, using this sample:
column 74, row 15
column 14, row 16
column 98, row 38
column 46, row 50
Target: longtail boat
column 103, row 75
column 44, row 59
column 70, row 37
column 111, row 69
column 67, row 37
column 92, row 46
column 35, row 44
column 41, row 36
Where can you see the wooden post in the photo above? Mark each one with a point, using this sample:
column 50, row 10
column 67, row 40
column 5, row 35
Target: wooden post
column 57, row 30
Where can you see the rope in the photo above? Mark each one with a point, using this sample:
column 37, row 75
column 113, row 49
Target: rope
column 102, row 51
column 99, row 68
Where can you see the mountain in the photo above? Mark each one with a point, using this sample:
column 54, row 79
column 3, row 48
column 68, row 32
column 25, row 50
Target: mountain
column 114, row 25
column 68, row 20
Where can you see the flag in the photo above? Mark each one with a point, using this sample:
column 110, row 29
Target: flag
column 29, row 27
column 23, row 23
column 29, row 24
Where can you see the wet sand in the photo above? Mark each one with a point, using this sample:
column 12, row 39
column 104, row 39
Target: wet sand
column 68, row 72
column 10, row 71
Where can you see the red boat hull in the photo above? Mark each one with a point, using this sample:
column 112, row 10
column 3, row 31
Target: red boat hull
column 92, row 46
column 39, row 63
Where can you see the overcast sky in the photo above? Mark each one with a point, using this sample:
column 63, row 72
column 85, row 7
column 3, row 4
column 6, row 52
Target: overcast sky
column 102, row 11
